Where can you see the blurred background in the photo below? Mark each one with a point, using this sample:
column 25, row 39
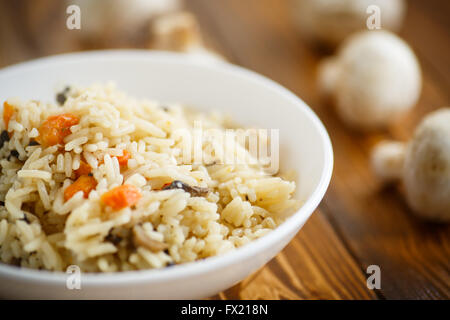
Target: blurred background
column 361, row 221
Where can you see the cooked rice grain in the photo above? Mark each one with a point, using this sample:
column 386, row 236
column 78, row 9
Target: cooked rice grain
column 39, row 229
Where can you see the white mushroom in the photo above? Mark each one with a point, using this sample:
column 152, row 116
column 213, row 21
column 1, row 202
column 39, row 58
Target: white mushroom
column 374, row 78
column 179, row 31
column 331, row 21
column 423, row 165
column 113, row 19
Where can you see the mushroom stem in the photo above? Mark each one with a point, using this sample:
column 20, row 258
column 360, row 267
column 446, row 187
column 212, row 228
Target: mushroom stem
column 388, row 159
column 328, row 74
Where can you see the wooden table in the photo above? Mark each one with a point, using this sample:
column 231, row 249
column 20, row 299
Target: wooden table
column 359, row 223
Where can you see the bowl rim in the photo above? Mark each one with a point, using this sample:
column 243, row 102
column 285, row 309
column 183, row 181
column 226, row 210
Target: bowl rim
column 211, row 263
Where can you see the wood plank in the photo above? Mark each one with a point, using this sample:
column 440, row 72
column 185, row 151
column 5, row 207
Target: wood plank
column 306, row 276
column 31, row 29
column 380, row 227
column 427, row 28
column 358, row 223
column 375, row 224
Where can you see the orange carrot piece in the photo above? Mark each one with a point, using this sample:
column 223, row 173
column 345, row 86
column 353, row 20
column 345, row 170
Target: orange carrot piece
column 56, row 128
column 83, row 170
column 8, row 111
column 121, row 197
column 123, row 159
column 84, row 183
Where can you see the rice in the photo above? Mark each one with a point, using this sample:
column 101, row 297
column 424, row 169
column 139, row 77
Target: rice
column 37, row 174
column 186, row 210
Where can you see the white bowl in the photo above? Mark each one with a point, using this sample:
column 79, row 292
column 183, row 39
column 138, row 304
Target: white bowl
column 248, row 97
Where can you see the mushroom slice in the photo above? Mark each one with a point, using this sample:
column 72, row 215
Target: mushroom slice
column 141, row 239
column 194, row 191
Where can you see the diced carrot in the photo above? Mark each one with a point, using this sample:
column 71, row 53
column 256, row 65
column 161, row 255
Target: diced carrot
column 84, row 183
column 8, row 111
column 84, row 169
column 121, row 197
column 123, row 159
column 56, row 128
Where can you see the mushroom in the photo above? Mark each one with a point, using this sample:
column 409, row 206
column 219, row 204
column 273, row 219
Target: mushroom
column 331, row 21
column 141, row 239
column 374, row 78
column 193, row 191
column 423, row 165
column 179, row 31
column 109, row 21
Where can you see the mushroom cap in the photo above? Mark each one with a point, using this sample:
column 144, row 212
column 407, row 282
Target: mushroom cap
column 374, row 78
column 120, row 16
column 426, row 173
column 331, row 21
